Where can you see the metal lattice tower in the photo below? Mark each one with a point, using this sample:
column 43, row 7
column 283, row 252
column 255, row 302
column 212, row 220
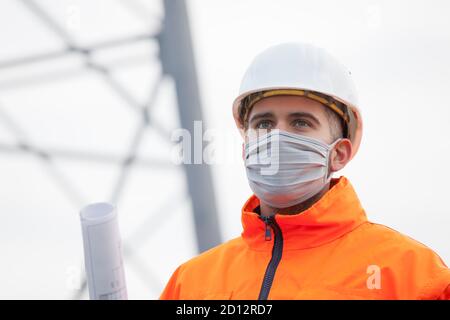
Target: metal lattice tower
column 177, row 62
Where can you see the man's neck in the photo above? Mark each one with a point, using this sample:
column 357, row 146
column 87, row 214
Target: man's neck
column 267, row 210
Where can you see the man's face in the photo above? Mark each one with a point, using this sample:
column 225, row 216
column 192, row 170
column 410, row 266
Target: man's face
column 298, row 115
column 295, row 114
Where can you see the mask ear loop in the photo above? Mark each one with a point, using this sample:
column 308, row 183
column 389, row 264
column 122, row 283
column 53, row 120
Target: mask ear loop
column 331, row 147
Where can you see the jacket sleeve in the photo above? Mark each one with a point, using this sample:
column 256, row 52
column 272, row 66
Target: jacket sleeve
column 438, row 287
column 445, row 295
column 172, row 289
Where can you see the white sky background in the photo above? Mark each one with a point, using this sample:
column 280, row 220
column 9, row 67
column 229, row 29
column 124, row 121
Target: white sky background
column 397, row 52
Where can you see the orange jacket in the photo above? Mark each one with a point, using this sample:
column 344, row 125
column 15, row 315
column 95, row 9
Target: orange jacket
column 329, row 251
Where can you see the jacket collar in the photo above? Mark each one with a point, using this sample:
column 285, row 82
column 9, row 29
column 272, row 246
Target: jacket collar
column 334, row 215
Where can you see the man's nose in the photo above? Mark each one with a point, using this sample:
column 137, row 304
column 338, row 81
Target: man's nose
column 283, row 125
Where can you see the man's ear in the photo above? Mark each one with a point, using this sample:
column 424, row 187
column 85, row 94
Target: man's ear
column 340, row 155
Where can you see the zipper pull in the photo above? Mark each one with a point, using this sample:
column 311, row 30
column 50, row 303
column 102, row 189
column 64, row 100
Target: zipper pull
column 268, row 234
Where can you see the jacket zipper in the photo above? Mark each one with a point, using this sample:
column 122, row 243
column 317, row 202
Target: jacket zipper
column 277, row 251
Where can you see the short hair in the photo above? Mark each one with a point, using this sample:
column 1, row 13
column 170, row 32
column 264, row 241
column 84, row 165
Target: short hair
column 336, row 124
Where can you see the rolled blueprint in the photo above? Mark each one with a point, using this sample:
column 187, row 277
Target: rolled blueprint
column 103, row 252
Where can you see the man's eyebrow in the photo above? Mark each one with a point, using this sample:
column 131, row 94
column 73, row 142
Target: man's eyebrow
column 305, row 115
column 261, row 115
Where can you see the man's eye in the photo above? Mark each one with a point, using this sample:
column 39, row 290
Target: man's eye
column 301, row 123
column 264, row 124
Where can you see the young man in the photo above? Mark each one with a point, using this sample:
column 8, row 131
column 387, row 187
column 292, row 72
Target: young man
column 305, row 234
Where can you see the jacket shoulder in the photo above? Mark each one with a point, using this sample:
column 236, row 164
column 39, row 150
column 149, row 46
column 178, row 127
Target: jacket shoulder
column 196, row 274
column 408, row 262
column 215, row 255
column 392, row 237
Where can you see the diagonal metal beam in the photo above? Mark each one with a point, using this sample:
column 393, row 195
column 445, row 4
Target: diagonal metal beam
column 49, row 22
column 55, row 54
column 80, row 155
column 71, row 192
column 145, row 120
column 70, row 43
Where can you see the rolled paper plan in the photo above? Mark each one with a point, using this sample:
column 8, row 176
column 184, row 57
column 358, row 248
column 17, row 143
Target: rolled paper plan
column 103, row 252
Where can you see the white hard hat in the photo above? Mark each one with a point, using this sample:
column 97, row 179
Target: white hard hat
column 305, row 70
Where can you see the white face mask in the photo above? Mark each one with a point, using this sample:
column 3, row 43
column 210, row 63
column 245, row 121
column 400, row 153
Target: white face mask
column 284, row 169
